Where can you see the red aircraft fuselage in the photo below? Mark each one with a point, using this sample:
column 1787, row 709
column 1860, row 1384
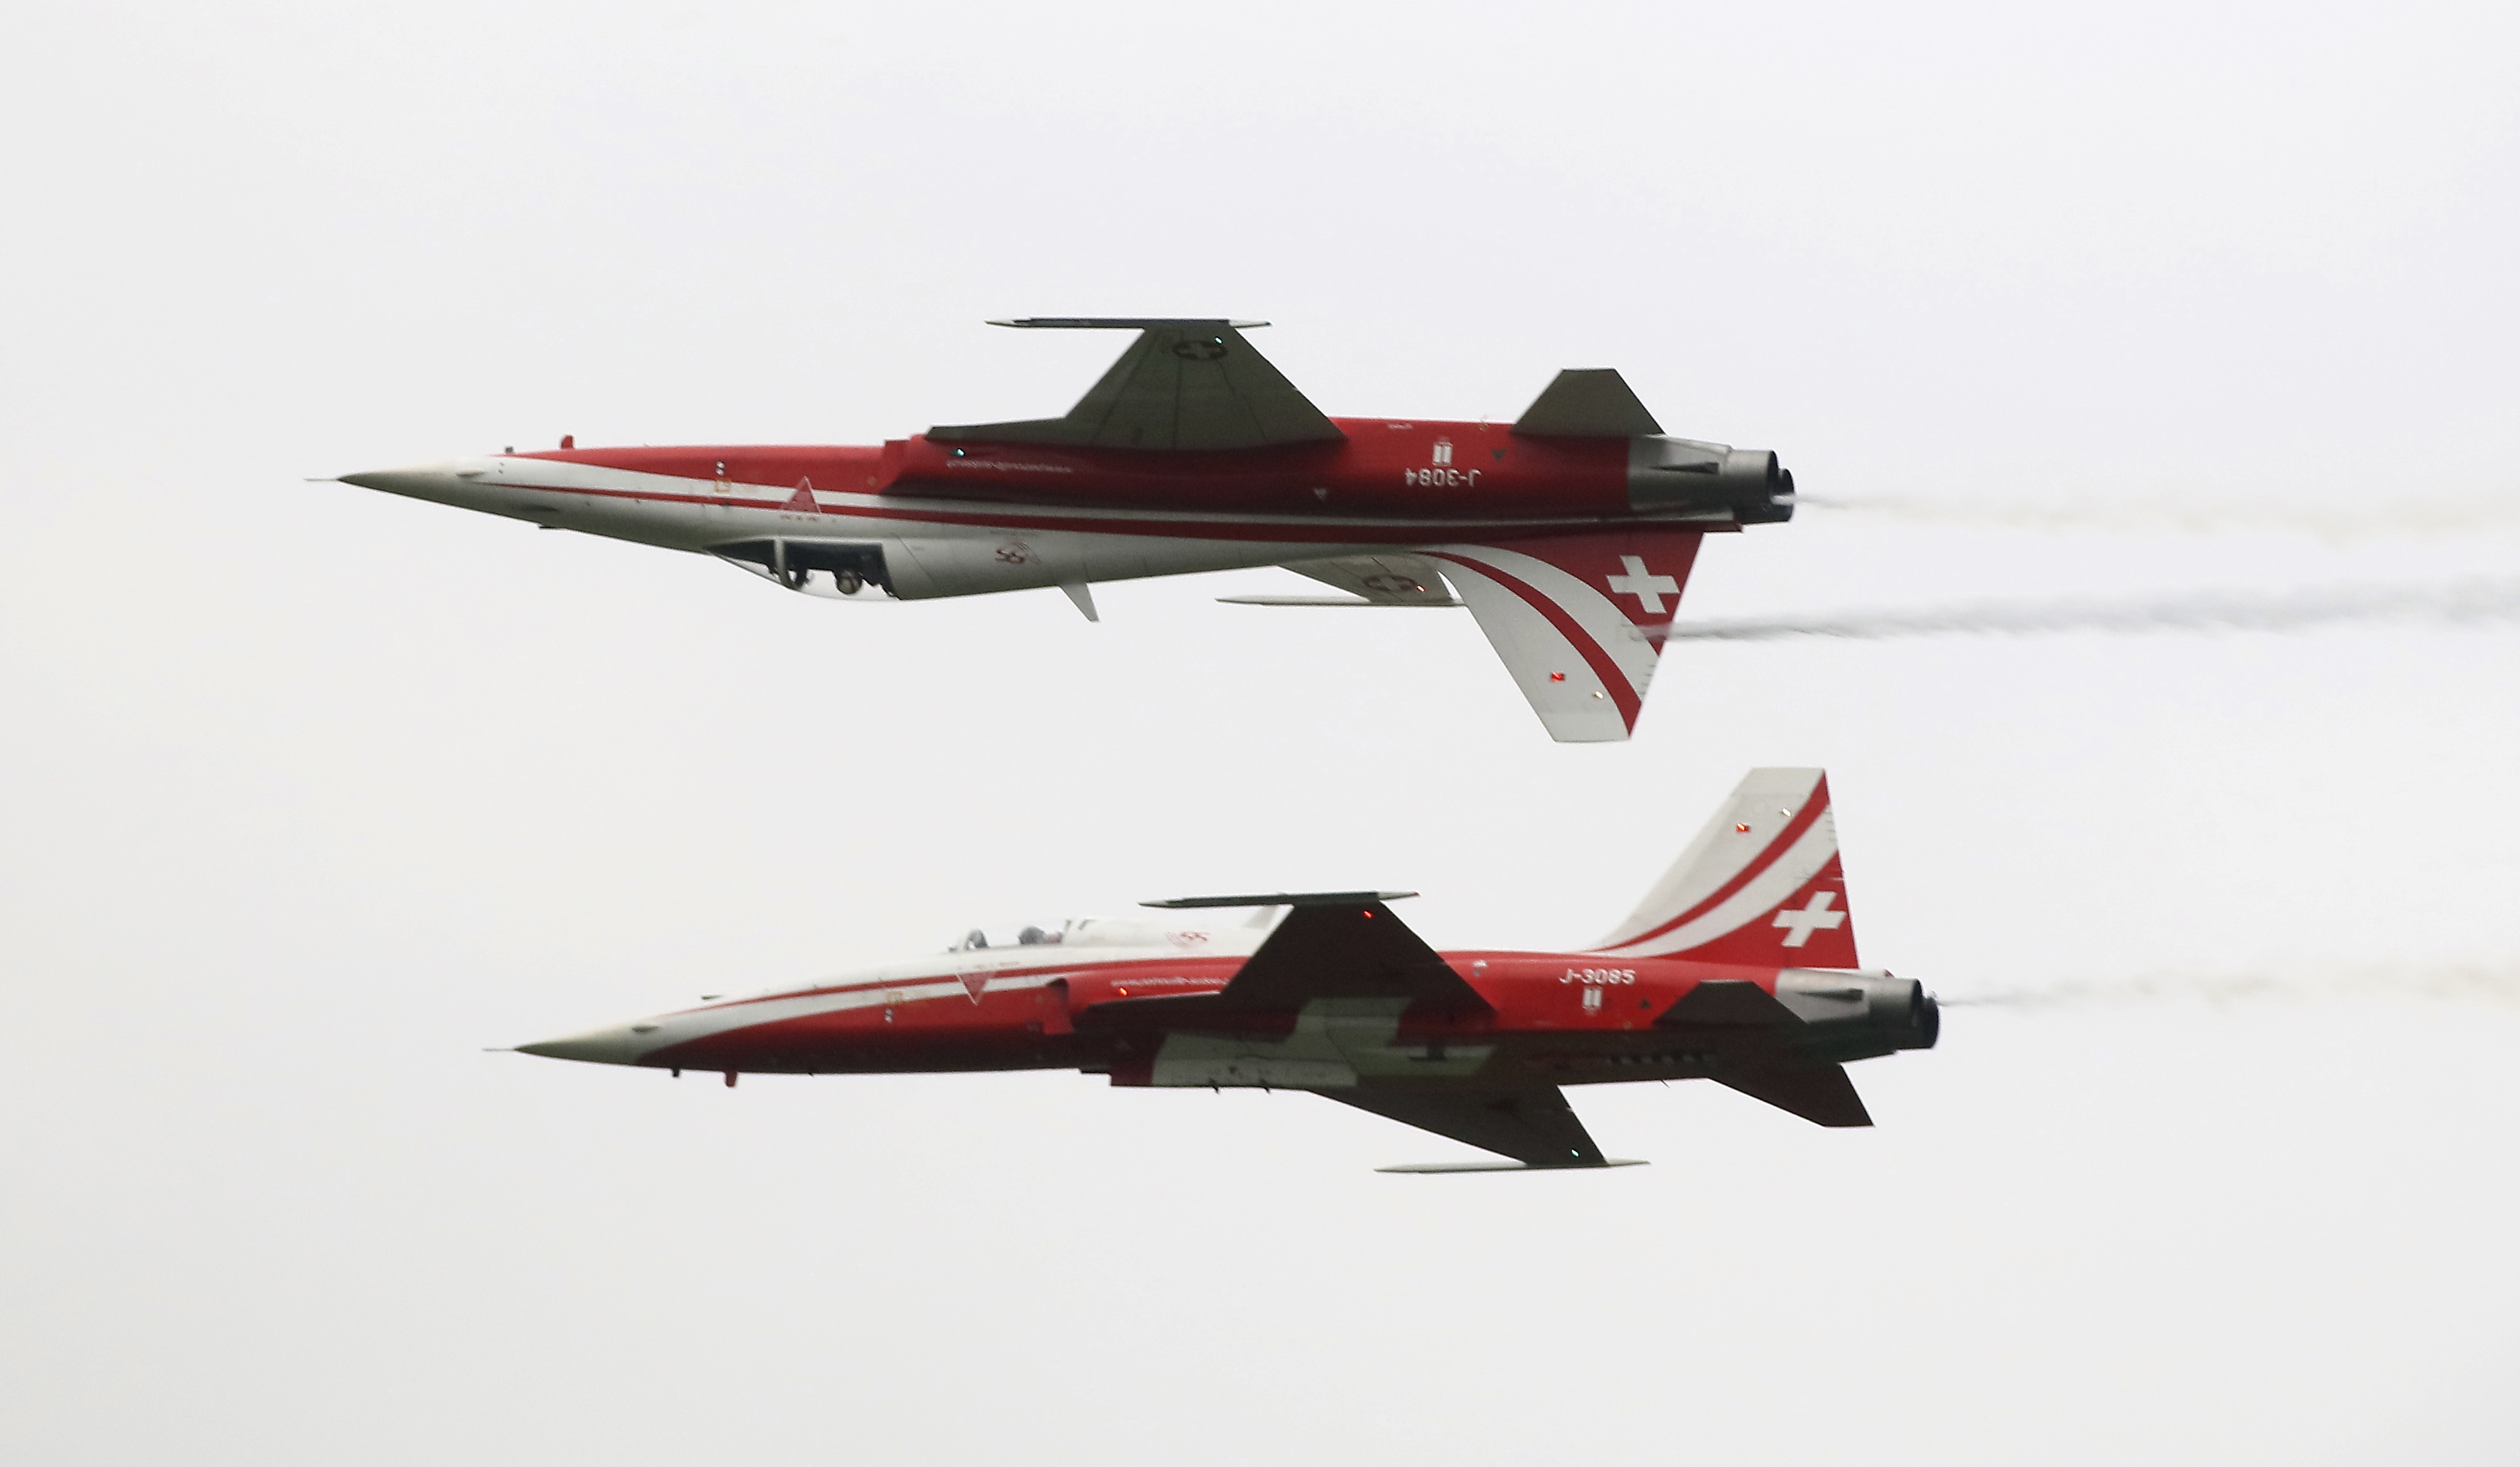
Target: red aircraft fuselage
column 1741, row 967
column 1568, row 534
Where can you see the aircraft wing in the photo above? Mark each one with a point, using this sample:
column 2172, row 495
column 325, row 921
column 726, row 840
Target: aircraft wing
column 1184, row 385
column 1535, row 1126
column 1369, row 581
column 1345, row 949
column 1578, row 619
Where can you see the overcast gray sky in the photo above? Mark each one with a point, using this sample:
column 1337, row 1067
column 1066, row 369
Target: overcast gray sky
column 312, row 793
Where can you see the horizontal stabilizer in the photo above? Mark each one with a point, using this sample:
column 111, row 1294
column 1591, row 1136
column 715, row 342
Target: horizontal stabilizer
column 1818, row 1093
column 1730, row 1002
column 1586, row 402
column 1352, row 950
column 1184, row 385
column 1534, row 1127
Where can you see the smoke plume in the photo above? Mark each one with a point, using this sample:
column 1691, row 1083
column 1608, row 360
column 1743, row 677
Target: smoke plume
column 2470, row 602
column 2327, row 517
column 2477, row 982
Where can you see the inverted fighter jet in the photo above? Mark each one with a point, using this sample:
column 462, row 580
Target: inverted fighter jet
column 1568, row 533
column 1739, row 968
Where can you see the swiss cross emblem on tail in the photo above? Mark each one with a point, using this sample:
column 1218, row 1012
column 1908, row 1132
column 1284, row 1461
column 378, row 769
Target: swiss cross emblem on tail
column 1803, row 921
column 1760, row 886
column 1579, row 619
column 1647, row 588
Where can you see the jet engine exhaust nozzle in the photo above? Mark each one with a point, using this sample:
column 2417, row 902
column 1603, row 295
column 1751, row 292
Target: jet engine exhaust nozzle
column 1870, row 1011
column 1925, row 1021
column 1682, row 474
column 1903, row 1012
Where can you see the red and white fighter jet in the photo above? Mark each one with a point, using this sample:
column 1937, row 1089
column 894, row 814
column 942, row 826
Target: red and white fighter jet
column 1568, row 533
column 1739, row 968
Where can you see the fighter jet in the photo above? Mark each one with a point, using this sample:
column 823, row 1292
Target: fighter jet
column 1568, row 533
column 1739, row 966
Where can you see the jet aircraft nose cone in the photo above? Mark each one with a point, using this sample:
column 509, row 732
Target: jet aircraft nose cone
column 616, row 1044
column 423, row 481
column 467, row 483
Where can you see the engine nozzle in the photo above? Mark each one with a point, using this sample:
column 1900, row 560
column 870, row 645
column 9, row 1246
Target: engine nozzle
column 1667, row 476
column 1872, row 1010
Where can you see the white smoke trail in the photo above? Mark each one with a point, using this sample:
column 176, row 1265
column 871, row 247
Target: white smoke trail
column 2478, row 982
column 2474, row 601
column 2331, row 519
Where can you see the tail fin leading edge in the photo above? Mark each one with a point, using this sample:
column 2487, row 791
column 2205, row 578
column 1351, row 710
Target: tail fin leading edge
column 1761, row 884
column 1579, row 619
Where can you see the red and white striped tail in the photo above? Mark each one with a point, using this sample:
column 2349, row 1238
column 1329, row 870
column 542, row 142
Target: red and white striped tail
column 1579, row 619
column 1761, row 885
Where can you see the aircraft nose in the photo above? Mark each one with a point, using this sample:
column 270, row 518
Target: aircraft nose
column 420, row 478
column 449, row 482
column 614, row 1045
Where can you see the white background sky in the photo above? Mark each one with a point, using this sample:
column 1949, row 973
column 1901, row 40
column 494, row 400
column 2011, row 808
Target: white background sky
column 310, row 793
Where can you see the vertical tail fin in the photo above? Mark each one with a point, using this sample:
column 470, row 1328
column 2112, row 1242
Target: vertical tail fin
column 1761, row 885
column 1579, row 619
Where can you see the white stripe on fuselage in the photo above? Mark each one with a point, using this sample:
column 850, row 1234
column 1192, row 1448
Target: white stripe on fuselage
column 515, row 479
column 924, row 980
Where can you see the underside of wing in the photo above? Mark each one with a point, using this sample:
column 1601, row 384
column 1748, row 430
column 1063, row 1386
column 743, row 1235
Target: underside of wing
column 1181, row 386
column 1534, row 1127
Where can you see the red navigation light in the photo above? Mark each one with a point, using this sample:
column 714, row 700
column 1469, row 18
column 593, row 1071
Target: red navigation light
column 1740, row 829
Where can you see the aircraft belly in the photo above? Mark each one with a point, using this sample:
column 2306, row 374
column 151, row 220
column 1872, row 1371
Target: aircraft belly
column 1191, row 1059
column 948, row 554
column 1335, row 1044
column 974, row 562
column 666, row 526
column 954, row 560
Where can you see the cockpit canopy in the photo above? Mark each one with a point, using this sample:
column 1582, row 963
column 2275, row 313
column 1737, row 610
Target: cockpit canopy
column 1010, row 935
column 1181, row 933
